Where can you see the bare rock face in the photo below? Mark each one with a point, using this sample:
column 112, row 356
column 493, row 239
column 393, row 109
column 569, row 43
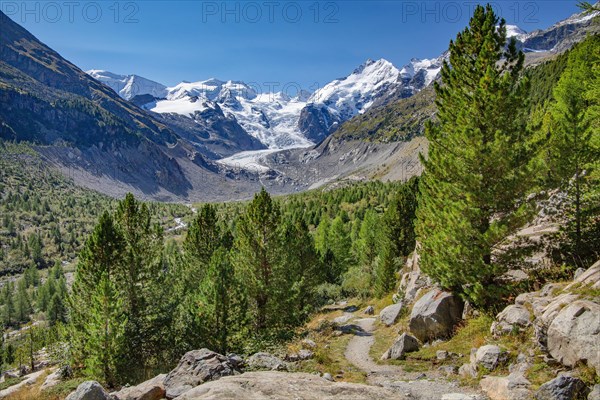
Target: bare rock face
column 280, row 385
column 153, row 389
column 574, row 334
column 404, row 344
column 195, row 368
column 435, row 315
column 89, row 390
column 390, row 314
column 562, row 388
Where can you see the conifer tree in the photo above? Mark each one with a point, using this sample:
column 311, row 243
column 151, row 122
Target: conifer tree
column 105, row 333
column 477, row 162
column 100, row 257
column 139, row 276
column 257, row 256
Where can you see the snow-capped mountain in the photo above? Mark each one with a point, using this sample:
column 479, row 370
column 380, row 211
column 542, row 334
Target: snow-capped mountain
column 129, row 86
column 516, row 32
column 372, row 84
column 272, row 118
column 356, row 92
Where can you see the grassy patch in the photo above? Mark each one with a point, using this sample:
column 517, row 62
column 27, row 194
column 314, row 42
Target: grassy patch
column 329, row 357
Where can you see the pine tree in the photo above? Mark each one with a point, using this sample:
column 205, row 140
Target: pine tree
column 477, row 162
column 216, row 297
column 341, row 248
column 369, row 238
column 398, row 236
column 139, row 278
column 100, row 257
column 257, row 254
column 300, row 274
column 23, row 306
column 105, row 332
column 57, row 311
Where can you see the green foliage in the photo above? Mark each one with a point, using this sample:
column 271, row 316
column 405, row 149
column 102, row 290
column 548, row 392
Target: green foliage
column 574, row 150
column 477, row 165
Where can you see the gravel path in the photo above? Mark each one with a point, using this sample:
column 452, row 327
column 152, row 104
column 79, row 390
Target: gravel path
column 412, row 385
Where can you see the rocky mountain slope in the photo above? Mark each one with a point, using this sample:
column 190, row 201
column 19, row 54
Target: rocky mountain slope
column 91, row 134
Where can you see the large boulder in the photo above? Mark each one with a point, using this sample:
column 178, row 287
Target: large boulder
column 435, row 315
column 267, row 385
column 513, row 317
column 153, row 389
column 511, row 387
column 266, row 361
column 562, row 388
column 405, row 343
column 490, row 357
column 574, row 334
column 89, row 390
column 194, row 368
column 389, row 315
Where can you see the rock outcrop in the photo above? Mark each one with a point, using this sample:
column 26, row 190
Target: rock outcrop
column 281, row 385
column 195, row 368
column 574, row 335
column 435, row 315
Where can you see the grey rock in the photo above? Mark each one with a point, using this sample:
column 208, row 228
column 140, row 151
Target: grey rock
column 266, row 361
column 511, row 387
column 441, row 355
column 435, row 315
column 578, row 273
column 342, row 319
column 512, row 317
column 309, row 343
column 562, row 388
column 369, row 310
column 194, row 368
column 490, row 357
column 595, row 393
column 89, row 390
column 390, row 314
column 589, row 278
column 405, row 343
column 327, row 376
column 273, row 385
column 152, row 389
column 574, row 334
column 468, row 370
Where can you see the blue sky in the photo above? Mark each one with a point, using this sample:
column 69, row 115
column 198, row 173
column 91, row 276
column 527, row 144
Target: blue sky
column 270, row 42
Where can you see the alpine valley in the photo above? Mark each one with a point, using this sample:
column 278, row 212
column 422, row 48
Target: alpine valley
column 223, row 139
